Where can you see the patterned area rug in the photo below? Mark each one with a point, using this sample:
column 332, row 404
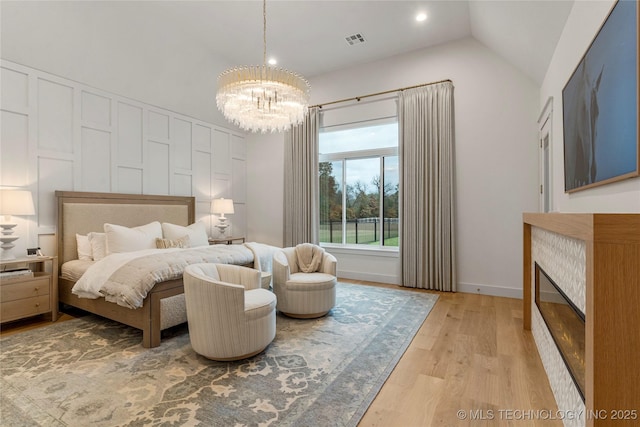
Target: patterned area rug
column 322, row 372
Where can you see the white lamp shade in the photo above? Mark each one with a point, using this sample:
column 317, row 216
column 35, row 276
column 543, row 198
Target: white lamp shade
column 16, row 202
column 222, row 206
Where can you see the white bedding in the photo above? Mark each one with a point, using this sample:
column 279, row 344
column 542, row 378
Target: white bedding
column 91, row 282
column 126, row 278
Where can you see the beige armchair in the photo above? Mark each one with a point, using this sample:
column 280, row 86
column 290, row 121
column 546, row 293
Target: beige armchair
column 303, row 294
column 230, row 316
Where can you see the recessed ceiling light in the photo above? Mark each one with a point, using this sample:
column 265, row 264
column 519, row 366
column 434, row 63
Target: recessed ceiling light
column 272, row 61
column 421, row 17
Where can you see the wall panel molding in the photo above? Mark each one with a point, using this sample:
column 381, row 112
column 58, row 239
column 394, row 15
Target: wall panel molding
column 55, row 115
column 59, row 134
column 96, row 110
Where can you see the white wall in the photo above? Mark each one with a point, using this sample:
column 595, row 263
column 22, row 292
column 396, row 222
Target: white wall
column 496, row 108
column 583, row 23
column 265, row 183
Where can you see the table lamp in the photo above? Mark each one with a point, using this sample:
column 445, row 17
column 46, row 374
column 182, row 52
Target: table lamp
column 12, row 202
column 222, row 206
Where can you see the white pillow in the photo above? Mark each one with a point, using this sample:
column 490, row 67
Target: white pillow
column 98, row 245
column 84, row 247
column 197, row 233
column 124, row 239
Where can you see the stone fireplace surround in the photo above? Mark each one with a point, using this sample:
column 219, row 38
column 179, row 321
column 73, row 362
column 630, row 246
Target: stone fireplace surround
column 595, row 260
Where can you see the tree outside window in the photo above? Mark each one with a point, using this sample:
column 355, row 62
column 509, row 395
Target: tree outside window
column 359, row 186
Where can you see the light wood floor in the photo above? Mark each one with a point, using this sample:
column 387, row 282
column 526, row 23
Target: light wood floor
column 471, row 355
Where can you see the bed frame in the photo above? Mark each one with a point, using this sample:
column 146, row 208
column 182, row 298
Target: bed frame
column 83, row 212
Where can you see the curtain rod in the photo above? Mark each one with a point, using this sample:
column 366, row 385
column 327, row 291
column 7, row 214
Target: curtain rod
column 358, row 98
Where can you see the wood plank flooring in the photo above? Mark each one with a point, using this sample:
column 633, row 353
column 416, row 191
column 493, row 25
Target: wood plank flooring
column 470, row 355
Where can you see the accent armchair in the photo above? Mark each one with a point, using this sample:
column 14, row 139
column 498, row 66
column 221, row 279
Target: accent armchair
column 230, row 316
column 304, row 281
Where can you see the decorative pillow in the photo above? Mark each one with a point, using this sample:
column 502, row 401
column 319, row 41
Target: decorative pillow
column 197, row 233
column 98, row 245
column 84, row 247
column 182, row 242
column 125, row 239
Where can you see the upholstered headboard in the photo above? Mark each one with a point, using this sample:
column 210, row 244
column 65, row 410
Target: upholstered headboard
column 83, row 212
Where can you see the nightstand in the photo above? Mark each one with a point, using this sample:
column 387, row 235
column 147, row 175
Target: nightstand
column 29, row 295
column 225, row 240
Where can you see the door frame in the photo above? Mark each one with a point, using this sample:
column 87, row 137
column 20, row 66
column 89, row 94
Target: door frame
column 545, row 157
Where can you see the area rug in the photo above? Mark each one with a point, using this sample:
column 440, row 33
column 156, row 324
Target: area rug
column 322, row 372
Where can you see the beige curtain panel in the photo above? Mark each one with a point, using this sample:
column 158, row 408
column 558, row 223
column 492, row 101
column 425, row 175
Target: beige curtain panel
column 427, row 248
column 301, row 181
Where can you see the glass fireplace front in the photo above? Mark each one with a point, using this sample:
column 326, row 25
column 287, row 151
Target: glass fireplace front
column 565, row 322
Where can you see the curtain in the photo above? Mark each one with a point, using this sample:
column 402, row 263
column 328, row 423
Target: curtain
column 301, row 181
column 427, row 249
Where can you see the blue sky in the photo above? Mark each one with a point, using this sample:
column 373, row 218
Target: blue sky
column 362, row 138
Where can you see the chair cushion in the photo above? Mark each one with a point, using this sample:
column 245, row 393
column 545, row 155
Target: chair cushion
column 310, row 281
column 259, row 301
column 259, row 298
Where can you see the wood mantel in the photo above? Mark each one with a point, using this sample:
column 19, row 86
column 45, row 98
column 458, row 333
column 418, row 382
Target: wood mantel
column 612, row 318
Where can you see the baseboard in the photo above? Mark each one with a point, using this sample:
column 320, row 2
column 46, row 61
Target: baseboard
column 496, row 291
column 368, row 277
column 470, row 288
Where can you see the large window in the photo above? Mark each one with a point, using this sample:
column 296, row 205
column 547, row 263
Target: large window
column 359, row 185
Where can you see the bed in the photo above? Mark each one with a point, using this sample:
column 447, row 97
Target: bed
column 85, row 212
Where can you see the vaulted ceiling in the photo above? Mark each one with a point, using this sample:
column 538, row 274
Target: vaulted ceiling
column 310, row 36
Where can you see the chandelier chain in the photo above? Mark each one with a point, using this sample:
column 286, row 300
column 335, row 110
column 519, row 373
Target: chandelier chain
column 264, row 32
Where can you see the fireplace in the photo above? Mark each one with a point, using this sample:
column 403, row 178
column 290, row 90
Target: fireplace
column 593, row 258
column 566, row 324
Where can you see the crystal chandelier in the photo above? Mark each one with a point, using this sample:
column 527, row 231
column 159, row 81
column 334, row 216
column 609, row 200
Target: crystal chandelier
column 261, row 98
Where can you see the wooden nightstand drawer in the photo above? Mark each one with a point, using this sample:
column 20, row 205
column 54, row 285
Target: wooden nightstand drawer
column 30, row 294
column 25, row 307
column 24, row 288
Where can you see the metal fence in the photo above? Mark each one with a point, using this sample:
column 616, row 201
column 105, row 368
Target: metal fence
column 360, row 231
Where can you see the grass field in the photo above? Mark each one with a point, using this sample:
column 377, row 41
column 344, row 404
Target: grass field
column 366, row 234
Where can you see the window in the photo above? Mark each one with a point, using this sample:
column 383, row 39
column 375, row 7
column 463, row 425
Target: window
column 359, row 184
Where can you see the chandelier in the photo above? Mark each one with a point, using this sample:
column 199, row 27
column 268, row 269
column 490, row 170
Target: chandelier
column 261, row 98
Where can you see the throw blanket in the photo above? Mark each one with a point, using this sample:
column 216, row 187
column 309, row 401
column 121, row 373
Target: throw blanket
column 126, row 278
column 264, row 254
column 309, row 257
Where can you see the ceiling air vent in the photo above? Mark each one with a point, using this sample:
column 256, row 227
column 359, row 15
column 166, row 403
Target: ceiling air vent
column 355, row 39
